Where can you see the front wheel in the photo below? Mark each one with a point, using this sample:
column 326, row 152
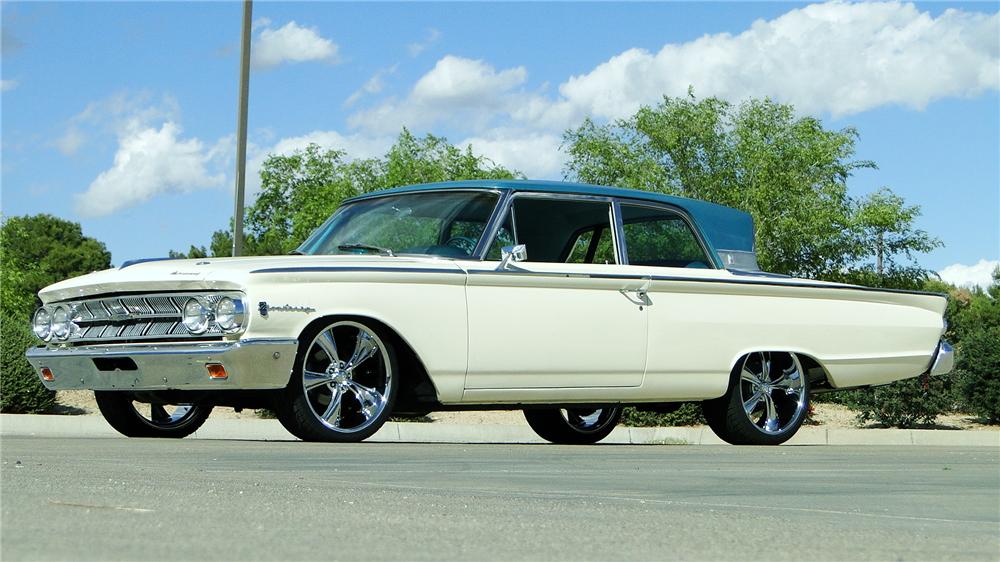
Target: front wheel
column 140, row 419
column 574, row 426
column 344, row 384
column 766, row 403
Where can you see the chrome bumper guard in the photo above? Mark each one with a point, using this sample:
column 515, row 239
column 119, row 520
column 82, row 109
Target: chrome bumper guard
column 944, row 360
column 250, row 364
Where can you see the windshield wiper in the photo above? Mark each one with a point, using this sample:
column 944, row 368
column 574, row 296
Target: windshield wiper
column 379, row 249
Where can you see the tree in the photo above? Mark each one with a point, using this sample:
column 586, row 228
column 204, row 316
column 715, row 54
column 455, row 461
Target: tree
column 35, row 251
column 787, row 171
column 39, row 250
column 301, row 190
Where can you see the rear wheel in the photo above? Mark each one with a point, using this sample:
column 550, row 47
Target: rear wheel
column 574, row 426
column 344, row 384
column 766, row 403
column 140, row 419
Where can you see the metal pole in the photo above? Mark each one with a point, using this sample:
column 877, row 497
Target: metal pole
column 241, row 128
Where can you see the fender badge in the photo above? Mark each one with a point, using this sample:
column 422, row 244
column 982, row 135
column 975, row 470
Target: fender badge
column 265, row 308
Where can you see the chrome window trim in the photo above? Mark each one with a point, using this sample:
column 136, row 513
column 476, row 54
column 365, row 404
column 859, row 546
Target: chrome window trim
column 508, row 204
column 711, row 258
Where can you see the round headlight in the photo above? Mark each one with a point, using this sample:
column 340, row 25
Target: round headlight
column 61, row 322
column 195, row 316
column 229, row 314
column 41, row 324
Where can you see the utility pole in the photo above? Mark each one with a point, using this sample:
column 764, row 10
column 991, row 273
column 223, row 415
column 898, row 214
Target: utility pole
column 241, row 128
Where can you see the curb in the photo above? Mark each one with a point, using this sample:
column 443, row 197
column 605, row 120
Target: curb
column 12, row 425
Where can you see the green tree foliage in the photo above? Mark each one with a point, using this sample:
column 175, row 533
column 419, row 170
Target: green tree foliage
column 20, row 390
column 787, row 171
column 39, row 250
column 35, row 251
column 193, row 252
column 301, row 190
column 905, row 403
column 978, row 337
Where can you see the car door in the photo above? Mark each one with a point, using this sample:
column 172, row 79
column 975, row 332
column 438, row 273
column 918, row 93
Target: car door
column 566, row 317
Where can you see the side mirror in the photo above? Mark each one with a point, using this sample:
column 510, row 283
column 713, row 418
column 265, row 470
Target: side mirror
column 509, row 254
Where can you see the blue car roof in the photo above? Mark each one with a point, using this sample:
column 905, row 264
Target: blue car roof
column 724, row 227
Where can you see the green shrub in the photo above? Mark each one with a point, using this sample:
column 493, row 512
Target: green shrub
column 21, row 392
column 689, row 413
column 905, row 403
column 978, row 374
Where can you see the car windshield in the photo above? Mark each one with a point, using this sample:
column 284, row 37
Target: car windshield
column 446, row 224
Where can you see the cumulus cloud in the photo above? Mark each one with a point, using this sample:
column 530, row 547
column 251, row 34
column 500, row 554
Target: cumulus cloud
column 457, row 89
column 534, row 154
column 7, row 85
column 961, row 275
column 416, row 48
column 150, row 161
column 836, row 57
column 291, row 43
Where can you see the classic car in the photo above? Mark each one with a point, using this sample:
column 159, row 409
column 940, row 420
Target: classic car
column 566, row 301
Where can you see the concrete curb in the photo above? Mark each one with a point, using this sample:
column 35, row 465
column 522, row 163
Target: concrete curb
column 270, row 430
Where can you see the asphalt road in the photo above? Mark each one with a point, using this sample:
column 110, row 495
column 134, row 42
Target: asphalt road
column 104, row 499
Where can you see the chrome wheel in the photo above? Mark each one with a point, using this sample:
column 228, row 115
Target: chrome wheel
column 773, row 391
column 589, row 420
column 573, row 426
column 164, row 416
column 347, row 377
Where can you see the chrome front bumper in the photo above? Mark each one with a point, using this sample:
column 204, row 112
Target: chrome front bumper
column 250, row 364
column 944, row 360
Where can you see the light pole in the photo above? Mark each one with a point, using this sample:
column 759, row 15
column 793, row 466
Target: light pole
column 241, row 128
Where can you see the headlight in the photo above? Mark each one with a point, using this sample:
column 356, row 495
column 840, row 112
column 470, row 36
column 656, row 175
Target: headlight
column 61, row 323
column 196, row 316
column 41, row 324
column 229, row 314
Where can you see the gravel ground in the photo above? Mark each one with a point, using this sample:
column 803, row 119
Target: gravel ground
column 829, row 415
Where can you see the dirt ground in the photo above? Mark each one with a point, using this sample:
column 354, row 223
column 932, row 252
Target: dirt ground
column 81, row 402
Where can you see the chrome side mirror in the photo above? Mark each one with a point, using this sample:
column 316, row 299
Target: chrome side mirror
column 512, row 254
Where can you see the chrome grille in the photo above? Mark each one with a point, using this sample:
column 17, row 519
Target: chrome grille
column 135, row 317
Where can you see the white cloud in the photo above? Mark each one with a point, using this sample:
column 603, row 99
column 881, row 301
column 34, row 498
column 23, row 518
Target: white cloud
column 980, row 274
column 416, row 48
column 835, row 57
column 534, row 154
column 291, row 43
column 71, row 141
column 8, row 85
column 374, row 85
column 150, row 161
column 466, row 91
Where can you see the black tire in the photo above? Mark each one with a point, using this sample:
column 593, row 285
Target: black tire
column 569, row 426
column 779, row 412
column 118, row 409
column 296, row 408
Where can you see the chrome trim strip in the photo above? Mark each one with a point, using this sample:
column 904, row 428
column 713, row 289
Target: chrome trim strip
column 944, row 360
column 125, row 350
column 349, row 269
column 618, row 232
column 492, row 227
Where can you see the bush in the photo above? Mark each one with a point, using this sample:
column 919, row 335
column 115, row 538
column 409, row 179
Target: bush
column 905, row 403
column 978, row 374
column 689, row 413
column 21, row 392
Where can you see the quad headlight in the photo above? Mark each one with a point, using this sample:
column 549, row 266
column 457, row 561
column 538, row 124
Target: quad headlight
column 61, row 322
column 41, row 324
column 200, row 314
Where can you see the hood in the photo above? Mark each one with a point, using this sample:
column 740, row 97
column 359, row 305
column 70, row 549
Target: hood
column 211, row 273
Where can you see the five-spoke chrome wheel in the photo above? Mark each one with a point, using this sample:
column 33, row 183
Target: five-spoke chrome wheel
column 573, row 426
column 766, row 403
column 141, row 419
column 344, row 384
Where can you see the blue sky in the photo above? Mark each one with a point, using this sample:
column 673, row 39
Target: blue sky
column 122, row 115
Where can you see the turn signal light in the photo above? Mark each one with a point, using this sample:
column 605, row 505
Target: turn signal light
column 47, row 374
column 216, row 371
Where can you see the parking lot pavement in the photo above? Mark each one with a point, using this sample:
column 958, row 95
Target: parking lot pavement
column 99, row 499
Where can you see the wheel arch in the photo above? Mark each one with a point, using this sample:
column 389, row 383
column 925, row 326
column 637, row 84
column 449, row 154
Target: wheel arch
column 817, row 374
column 417, row 387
